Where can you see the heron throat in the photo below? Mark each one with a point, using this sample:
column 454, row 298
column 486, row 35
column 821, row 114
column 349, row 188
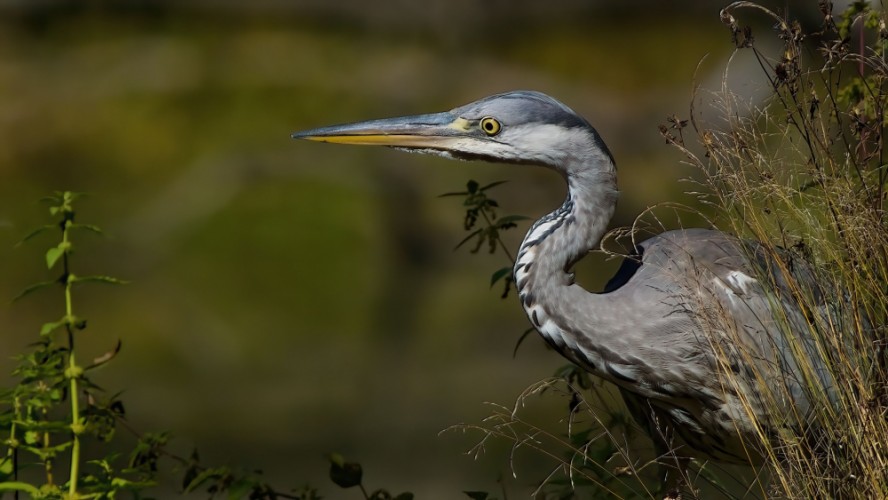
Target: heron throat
column 542, row 272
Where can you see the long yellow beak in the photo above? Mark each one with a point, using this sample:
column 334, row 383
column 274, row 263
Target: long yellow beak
column 433, row 131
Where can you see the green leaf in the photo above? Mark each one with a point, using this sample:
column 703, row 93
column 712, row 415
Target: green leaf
column 20, row 486
column 32, row 437
column 469, row 237
column 72, row 195
column 488, row 234
column 492, row 185
column 36, row 232
column 193, row 469
column 204, row 476
column 345, row 474
column 240, row 489
column 477, row 495
column 521, row 340
column 47, row 453
column 54, row 254
column 510, row 219
column 453, row 193
column 48, row 328
column 52, row 199
column 474, row 200
column 336, row 458
column 6, row 468
column 498, row 275
column 121, row 483
column 99, row 279
column 33, row 288
column 88, row 227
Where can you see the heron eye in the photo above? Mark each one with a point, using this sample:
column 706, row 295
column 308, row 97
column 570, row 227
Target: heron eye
column 490, row 126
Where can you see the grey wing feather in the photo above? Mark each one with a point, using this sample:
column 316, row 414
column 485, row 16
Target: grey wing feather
column 772, row 300
column 720, row 305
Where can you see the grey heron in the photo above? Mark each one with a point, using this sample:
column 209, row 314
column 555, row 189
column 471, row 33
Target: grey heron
column 687, row 308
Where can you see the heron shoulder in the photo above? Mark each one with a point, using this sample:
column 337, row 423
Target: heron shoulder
column 669, row 255
column 731, row 267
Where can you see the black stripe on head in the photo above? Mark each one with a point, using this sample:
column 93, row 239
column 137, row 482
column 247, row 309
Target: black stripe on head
column 521, row 107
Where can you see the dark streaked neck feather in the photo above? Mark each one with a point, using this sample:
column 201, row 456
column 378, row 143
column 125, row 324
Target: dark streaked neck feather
column 559, row 309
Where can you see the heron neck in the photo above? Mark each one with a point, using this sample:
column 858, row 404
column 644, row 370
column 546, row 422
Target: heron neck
column 558, row 240
column 553, row 302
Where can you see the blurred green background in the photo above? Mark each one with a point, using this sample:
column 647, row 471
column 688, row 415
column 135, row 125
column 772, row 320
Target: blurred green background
column 292, row 299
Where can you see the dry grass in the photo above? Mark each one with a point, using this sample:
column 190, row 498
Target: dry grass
column 804, row 173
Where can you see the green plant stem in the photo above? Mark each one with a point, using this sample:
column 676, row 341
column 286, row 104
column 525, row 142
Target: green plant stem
column 13, row 444
column 12, row 452
column 499, row 240
column 47, row 463
column 75, row 425
column 72, row 370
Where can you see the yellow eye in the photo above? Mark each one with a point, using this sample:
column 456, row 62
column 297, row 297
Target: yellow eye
column 490, row 126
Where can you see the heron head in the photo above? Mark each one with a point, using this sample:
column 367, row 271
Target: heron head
column 514, row 127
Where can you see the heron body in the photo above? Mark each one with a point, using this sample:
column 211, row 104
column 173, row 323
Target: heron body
column 687, row 307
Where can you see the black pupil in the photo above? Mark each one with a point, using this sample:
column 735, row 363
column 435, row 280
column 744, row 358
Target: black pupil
column 488, row 125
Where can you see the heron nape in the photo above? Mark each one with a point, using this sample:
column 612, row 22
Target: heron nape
column 686, row 310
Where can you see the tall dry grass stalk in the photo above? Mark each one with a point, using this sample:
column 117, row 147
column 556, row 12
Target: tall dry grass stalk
column 805, row 173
